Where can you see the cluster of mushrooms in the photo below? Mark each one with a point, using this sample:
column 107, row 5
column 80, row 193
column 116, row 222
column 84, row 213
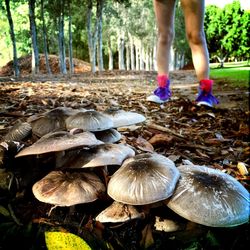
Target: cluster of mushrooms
column 84, row 140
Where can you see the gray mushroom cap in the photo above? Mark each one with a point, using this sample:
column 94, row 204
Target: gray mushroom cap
column 90, row 120
column 118, row 212
column 18, row 132
column 143, row 179
column 68, row 189
column 50, row 121
column 210, row 197
column 59, row 141
column 100, row 155
column 122, row 118
column 108, row 136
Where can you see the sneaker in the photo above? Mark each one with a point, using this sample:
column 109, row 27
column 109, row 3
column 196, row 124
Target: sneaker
column 205, row 96
column 162, row 93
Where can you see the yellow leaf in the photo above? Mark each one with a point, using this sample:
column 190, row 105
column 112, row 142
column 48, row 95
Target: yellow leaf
column 65, row 241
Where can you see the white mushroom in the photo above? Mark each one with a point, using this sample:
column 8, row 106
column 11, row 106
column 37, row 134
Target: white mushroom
column 122, row 118
column 68, row 189
column 143, row 179
column 210, row 197
column 59, row 141
column 118, row 212
column 90, row 120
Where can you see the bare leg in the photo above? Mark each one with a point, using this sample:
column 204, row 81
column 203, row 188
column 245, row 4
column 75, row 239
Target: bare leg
column 194, row 18
column 164, row 12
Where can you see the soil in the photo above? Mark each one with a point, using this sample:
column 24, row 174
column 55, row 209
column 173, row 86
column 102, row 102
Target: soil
column 179, row 129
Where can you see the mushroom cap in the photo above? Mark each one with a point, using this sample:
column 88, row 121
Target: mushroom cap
column 143, row 179
column 108, row 136
column 122, row 118
column 18, row 132
column 50, row 121
column 118, row 212
column 100, row 155
column 89, row 120
column 68, row 189
column 59, row 141
column 210, row 197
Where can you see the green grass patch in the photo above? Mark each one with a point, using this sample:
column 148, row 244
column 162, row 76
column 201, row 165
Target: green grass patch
column 237, row 74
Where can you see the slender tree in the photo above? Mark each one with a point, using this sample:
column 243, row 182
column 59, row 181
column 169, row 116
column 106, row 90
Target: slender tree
column 45, row 46
column 35, row 52
column 13, row 39
column 71, row 64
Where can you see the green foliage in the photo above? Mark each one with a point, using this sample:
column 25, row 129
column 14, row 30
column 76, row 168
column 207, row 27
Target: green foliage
column 227, row 31
column 62, row 240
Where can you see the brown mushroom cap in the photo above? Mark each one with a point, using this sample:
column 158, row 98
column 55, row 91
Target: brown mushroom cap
column 122, row 118
column 143, row 179
column 210, row 197
column 50, row 121
column 59, row 141
column 100, row 155
column 108, row 136
column 118, row 212
column 68, row 189
column 90, row 120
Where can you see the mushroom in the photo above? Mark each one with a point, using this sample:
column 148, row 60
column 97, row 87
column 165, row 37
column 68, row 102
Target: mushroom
column 59, row 141
column 51, row 121
column 118, row 212
column 100, row 155
column 144, row 179
column 108, row 136
column 89, row 120
column 210, row 197
column 68, row 189
column 122, row 118
column 18, row 132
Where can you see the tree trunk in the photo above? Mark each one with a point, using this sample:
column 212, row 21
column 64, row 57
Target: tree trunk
column 99, row 17
column 61, row 46
column 35, row 53
column 137, row 65
column 132, row 52
column 45, row 46
column 121, row 51
column 141, row 56
column 111, row 64
column 71, row 64
column 127, row 57
column 92, row 37
column 13, row 39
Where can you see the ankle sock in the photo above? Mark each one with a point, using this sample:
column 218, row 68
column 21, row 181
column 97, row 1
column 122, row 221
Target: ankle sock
column 206, row 85
column 163, row 81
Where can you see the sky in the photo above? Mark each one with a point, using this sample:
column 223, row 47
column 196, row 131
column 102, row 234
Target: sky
column 245, row 4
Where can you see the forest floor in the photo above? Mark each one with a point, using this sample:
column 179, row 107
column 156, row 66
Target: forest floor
column 217, row 137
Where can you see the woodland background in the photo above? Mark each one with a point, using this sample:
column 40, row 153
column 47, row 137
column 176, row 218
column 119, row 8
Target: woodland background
column 111, row 34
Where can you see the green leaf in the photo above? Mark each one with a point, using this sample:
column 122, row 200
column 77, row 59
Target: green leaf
column 4, row 211
column 65, row 241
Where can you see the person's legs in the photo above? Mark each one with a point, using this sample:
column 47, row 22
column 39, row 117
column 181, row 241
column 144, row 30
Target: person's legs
column 164, row 13
column 194, row 21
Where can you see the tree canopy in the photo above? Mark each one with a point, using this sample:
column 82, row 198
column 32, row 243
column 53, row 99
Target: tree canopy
column 119, row 28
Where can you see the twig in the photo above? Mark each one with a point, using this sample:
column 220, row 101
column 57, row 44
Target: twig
column 166, row 130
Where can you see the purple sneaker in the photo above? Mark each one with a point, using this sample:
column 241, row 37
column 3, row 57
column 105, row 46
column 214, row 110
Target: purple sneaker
column 205, row 96
column 161, row 94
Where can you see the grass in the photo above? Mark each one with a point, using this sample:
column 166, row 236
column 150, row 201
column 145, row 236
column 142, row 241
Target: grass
column 237, row 73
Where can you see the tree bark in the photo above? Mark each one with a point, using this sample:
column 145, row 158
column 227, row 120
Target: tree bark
column 13, row 39
column 99, row 11
column 71, row 64
column 35, row 52
column 61, row 42
column 45, row 45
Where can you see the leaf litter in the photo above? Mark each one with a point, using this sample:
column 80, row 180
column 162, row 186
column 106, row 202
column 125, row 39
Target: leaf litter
column 180, row 130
